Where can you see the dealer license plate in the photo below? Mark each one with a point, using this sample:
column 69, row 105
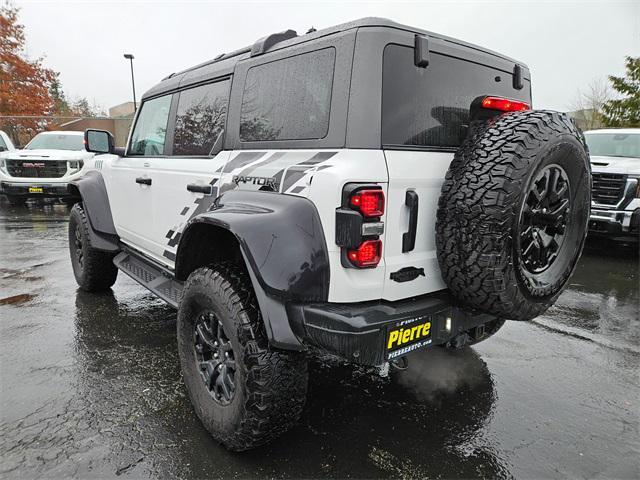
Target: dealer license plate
column 35, row 189
column 408, row 335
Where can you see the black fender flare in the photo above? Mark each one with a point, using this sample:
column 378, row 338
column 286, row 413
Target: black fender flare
column 95, row 200
column 284, row 249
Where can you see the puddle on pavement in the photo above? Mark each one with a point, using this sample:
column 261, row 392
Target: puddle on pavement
column 104, row 395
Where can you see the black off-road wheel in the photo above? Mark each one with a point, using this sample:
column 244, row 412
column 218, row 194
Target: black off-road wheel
column 94, row 269
column 512, row 216
column 244, row 392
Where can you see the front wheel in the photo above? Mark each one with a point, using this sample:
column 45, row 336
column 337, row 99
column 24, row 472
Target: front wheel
column 94, row 269
column 244, row 392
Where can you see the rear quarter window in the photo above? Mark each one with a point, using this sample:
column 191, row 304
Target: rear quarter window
column 288, row 99
column 429, row 107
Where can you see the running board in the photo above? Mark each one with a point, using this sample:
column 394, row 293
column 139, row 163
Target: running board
column 150, row 276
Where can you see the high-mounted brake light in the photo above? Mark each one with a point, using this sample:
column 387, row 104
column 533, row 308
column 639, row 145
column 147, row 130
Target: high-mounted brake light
column 368, row 254
column 369, row 202
column 504, row 104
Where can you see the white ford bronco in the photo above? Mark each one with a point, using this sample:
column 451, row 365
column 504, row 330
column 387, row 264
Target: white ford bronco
column 366, row 190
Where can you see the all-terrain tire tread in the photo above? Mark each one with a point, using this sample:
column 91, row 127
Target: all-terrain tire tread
column 99, row 271
column 276, row 379
column 478, row 204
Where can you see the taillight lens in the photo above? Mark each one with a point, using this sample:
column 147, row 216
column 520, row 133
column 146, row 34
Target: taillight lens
column 368, row 254
column 369, row 202
column 504, row 104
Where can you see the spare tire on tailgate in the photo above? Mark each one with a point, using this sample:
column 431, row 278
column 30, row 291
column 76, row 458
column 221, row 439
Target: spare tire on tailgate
column 512, row 216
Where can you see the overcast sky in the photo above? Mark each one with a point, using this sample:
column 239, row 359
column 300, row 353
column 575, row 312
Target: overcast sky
column 565, row 44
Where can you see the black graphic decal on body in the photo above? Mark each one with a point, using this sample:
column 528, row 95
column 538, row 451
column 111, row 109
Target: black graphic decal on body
column 202, row 205
column 242, row 159
column 294, row 174
column 270, row 159
column 174, row 241
column 297, row 172
column 318, row 158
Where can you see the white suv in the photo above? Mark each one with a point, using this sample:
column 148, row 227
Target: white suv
column 44, row 167
column 366, row 190
column 615, row 160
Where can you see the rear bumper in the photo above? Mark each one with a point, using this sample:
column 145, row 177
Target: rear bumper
column 49, row 189
column 617, row 224
column 359, row 332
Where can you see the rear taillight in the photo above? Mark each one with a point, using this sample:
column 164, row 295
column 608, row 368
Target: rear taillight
column 359, row 225
column 368, row 254
column 504, row 104
column 369, row 202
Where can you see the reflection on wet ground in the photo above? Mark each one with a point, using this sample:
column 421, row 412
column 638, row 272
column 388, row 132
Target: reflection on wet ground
column 90, row 386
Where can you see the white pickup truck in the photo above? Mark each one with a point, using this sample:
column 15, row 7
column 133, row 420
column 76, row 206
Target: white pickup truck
column 615, row 162
column 44, row 167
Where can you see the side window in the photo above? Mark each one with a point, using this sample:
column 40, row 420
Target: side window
column 3, row 145
column 200, row 118
column 151, row 127
column 288, row 99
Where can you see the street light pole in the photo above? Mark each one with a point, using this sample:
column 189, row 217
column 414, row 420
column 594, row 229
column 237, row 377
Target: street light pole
column 130, row 57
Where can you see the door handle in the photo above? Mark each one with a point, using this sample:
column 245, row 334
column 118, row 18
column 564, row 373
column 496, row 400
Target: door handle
column 143, row 181
column 199, row 188
column 409, row 237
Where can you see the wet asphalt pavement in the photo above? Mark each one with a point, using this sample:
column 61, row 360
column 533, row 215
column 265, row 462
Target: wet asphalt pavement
column 90, row 386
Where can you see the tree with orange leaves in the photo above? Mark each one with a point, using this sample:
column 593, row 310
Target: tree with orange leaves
column 24, row 84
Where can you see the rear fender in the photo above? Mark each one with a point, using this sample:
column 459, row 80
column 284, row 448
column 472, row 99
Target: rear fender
column 283, row 246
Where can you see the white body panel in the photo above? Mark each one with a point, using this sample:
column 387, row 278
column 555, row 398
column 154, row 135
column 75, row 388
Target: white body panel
column 424, row 173
column 174, row 205
column 361, row 166
column 152, row 218
column 132, row 204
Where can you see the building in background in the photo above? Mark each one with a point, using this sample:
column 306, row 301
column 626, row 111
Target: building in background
column 118, row 123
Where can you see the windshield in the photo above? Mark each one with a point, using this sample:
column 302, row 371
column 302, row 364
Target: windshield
column 56, row 142
column 614, row 144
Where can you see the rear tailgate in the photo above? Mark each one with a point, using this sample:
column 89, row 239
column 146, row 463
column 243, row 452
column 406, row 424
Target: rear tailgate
column 425, row 117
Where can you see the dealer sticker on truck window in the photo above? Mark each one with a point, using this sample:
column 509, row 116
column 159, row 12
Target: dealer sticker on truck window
column 35, row 189
column 408, row 335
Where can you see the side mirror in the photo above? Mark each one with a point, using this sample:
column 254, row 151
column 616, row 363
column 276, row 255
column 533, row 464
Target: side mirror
column 98, row 141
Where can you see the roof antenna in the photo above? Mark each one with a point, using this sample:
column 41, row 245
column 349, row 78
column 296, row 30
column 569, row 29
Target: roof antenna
column 311, row 30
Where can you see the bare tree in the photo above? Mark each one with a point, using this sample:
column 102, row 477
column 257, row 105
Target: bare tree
column 587, row 107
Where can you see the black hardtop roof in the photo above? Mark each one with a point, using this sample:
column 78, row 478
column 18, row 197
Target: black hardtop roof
column 224, row 64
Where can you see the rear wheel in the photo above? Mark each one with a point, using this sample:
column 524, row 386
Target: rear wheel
column 94, row 269
column 512, row 216
column 244, row 392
